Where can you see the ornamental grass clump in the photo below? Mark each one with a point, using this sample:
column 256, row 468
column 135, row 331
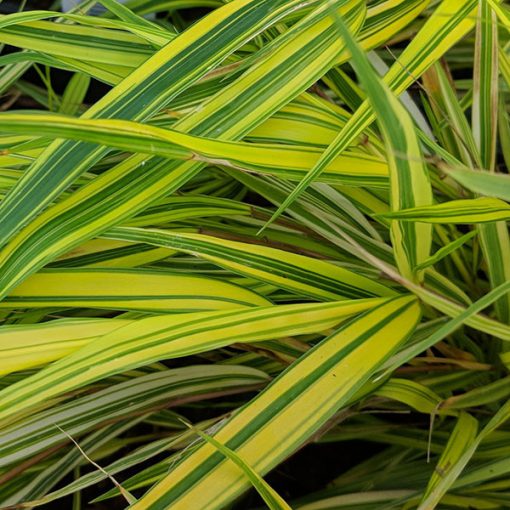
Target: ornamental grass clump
column 255, row 237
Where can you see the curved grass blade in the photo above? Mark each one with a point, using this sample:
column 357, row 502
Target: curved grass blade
column 298, row 273
column 476, row 210
column 447, row 250
column 32, row 345
column 480, row 396
column 289, row 411
column 140, row 455
column 272, row 499
column 415, row 395
column 461, row 440
column 138, row 289
column 286, row 161
column 138, row 395
column 439, row 487
column 483, row 182
column 171, row 336
column 59, row 469
column 409, row 180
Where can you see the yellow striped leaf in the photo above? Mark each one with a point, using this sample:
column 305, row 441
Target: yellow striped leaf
column 288, row 412
column 291, row 271
column 171, row 336
column 137, row 289
column 476, row 210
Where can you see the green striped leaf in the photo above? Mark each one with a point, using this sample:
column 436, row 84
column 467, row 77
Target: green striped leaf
column 272, row 499
column 409, row 180
column 297, row 273
column 141, row 289
column 145, row 453
column 495, row 243
column 485, row 183
column 447, row 250
column 460, row 450
column 459, row 316
column 289, row 411
column 27, row 346
column 460, row 441
column 171, row 336
column 74, row 94
column 413, row 394
column 477, row 210
column 90, row 44
column 138, row 395
column 59, row 469
column 485, row 86
column 494, row 238
column 503, row 15
column 479, row 396
column 285, row 161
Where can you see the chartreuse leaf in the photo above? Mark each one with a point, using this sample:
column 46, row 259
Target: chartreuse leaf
column 124, row 289
column 36, row 433
column 394, row 17
column 89, row 44
column 168, row 73
column 272, row 499
column 178, row 208
column 411, row 393
column 285, row 161
column 27, row 346
column 171, row 336
column 289, row 411
column 253, row 120
column 291, row 271
column 385, row 19
column 409, row 179
column 476, row 210
column 103, row 253
column 447, row 25
column 92, row 49
column 131, row 185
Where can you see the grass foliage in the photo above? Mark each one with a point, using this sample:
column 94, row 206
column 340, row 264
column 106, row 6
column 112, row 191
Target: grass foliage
column 243, row 228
